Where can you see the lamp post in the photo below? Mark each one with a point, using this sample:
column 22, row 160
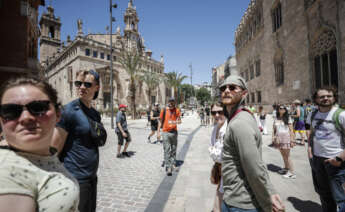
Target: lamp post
column 112, row 19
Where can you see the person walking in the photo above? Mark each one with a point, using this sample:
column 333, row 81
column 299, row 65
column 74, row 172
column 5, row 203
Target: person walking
column 283, row 138
column 246, row 183
column 78, row 150
column 215, row 149
column 154, row 122
column 326, row 149
column 122, row 132
column 262, row 120
column 207, row 113
column 32, row 178
column 169, row 118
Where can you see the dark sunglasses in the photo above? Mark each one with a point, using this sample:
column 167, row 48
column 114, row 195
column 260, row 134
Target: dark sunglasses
column 231, row 88
column 13, row 111
column 79, row 83
column 220, row 112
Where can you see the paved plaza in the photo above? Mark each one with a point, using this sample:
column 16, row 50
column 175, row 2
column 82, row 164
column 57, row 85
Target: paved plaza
column 139, row 183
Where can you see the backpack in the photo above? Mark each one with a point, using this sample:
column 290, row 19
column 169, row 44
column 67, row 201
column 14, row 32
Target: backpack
column 307, row 111
column 335, row 120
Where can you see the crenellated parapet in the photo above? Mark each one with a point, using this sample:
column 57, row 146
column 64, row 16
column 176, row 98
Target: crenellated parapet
column 250, row 25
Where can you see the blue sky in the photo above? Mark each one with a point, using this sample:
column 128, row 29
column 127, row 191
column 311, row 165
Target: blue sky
column 200, row 32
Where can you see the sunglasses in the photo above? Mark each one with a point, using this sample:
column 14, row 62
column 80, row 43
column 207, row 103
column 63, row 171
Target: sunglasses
column 220, row 112
column 79, row 83
column 13, row 111
column 231, row 88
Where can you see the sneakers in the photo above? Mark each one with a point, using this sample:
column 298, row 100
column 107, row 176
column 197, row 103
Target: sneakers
column 283, row 171
column 163, row 164
column 119, row 156
column 289, row 175
column 126, row 154
column 148, row 140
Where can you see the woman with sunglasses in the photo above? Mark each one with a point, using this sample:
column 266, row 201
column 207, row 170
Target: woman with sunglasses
column 215, row 149
column 283, row 137
column 32, row 178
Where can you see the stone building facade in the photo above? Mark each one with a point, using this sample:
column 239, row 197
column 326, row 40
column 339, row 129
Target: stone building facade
column 19, row 44
column 219, row 73
column 287, row 49
column 62, row 60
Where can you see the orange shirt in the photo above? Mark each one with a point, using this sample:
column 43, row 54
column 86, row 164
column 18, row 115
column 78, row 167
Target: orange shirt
column 170, row 122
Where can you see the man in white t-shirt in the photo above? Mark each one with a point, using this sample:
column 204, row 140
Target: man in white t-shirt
column 326, row 151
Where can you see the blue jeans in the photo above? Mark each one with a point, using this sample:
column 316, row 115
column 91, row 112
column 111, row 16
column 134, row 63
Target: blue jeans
column 330, row 182
column 226, row 208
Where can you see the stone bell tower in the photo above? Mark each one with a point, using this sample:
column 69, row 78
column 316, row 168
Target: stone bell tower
column 131, row 29
column 50, row 40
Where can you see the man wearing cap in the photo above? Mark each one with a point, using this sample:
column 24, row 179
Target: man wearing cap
column 169, row 118
column 154, row 122
column 72, row 139
column 246, row 183
column 122, row 131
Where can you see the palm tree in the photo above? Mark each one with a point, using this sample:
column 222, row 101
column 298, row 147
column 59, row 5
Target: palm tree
column 174, row 80
column 152, row 81
column 130, row 60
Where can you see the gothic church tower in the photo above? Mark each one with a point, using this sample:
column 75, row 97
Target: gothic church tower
column 50, row 40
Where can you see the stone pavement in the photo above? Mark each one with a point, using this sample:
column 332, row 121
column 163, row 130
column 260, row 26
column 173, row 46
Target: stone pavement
column 140, row 184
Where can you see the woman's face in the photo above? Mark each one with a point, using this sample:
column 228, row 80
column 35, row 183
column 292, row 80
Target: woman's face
column 281, row 110
column 28, row 132
column 218, row 114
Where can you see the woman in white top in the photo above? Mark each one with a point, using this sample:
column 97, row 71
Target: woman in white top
column 32, row 178
column 283, row 137
column 215, row 149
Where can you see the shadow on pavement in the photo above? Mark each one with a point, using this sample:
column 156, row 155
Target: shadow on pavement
column 304, row 205
column 131, row 153
column 273, row 168
column 179, row 163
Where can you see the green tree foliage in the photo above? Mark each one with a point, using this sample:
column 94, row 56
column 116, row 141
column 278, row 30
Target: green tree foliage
column 188, row 91
column 174, row 80
column 130, row 60
column 152, row 81
column 203, row 95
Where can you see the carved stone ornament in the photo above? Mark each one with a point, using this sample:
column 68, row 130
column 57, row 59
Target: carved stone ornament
column 325, row 42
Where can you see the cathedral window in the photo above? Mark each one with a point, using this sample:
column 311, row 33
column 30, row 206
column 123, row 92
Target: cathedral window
column 87, row 52
column 258, row 94
column 277, row 17
column 95, row 54
column 279, row 73
column 252, row 96
column 257, row 68
column 251, row 68
column 325, row 60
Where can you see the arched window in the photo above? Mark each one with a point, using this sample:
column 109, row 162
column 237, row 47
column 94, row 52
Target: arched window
column 51, row 32
column 325, row 62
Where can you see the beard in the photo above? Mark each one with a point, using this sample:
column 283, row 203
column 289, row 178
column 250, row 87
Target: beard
column 325, row 103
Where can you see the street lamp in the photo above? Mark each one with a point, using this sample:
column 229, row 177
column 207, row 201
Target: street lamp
column 112, row 19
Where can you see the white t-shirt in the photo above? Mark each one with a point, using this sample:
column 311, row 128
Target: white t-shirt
column 281, row 127
column 216, row 145
column 327, row 139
